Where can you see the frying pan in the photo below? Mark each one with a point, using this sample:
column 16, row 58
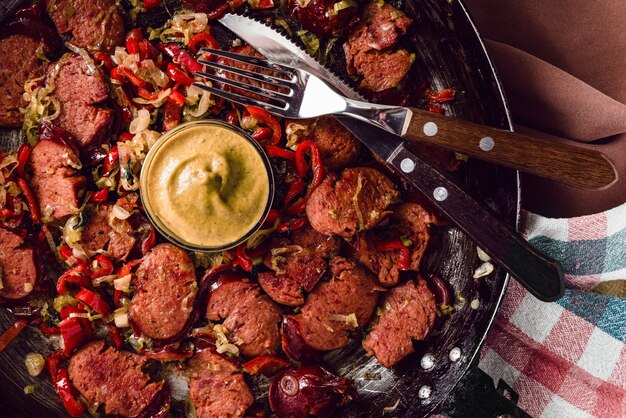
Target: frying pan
column 442, row 375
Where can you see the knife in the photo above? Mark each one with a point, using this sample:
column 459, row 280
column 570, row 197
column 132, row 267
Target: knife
column 542, row 276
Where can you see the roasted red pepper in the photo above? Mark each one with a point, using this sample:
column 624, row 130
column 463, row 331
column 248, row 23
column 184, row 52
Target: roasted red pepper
column 104, row 266
column 23, row 152
column 316, row 162
column 178, row 75
column 280, row 152
column 255, row 115
column 242, row 259
column 105, row 60
column 441, row 96
column 52, row 364
column 177, row 97
column 404, row 256
column 48, row 330
column 125, row 74
column 232, row 117
column 151, row 4
column 294, row 190
column 30, row 200
column 73, row 406
column 116, row 336
column 171, row 114
column 11, row 333
column 94, row 301
column 65, row 252
column 110, row 161
column 99, row 196
column 263, row 4
column 266, row 364
column 201, row 40
column 150, row 239
column 262, row 134
column 180, row 56
column 272, row 216
column 75, row 275
column 73, row 334
column 132, row 41
column 292, row 225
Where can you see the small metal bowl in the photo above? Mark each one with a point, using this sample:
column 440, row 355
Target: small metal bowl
column 156, row 220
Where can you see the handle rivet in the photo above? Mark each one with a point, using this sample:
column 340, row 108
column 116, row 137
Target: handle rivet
column 424, row 392
column 440, row 194
column 487, row 143
column 428, row 361
column 455, row 354
column 430, row 129
column 407, row 165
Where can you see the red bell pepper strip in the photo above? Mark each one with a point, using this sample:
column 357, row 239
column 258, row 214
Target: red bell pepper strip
column 110, row 161
column 266, row 364
column 177, row 97
column 73, row 335
column 105, row 60
column 65, row 252
column 263, row 117
column 125, row 74
column 202, row 40
column 132, row 40
column 148, row 242
column 11, row 333
column 6, row 212
column 242, row 259
column 262, row 134
column 104, row 266
column 76, row 275
column 117, row 296
column 178, row 75
column 23, row 152
column 171, row 114
column 294, row 190
column 48, row 330
column 151, row 4
column 404, row 256
column 292, row 225
column 85, row 323
column 147, row 50
column 52, row 364
column 298, row 206
column 30, row 200
column 316, row 162
column 116, row 336
column 147, row 94
column 435, row 108
column 73, row 406
column 180, row 56
column 441, row 96
column 272, row 216
column 123, row 137
column 280, row 152
column 94, row 301
column 99, row 196
column 232, row 117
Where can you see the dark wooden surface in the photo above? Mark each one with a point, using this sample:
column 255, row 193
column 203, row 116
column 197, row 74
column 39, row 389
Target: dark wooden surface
column 574, row 166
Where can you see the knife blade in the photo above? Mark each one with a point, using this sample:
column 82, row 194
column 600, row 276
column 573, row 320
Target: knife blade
column 541, row 275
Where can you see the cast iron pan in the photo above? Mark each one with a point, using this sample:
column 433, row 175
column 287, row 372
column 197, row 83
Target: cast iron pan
column 449, row 54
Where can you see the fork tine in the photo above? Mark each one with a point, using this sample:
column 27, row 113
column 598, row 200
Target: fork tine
column 243, row 100
column 274, row 95
column 274, row 81
column 247, row 59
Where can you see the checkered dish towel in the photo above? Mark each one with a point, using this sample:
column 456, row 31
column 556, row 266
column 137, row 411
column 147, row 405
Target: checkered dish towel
column 568, row 358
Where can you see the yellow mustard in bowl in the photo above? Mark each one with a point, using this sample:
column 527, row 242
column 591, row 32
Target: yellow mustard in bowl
column 207, row 185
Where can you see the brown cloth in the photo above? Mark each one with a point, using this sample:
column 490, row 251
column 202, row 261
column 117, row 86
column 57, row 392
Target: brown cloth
column 563, row 67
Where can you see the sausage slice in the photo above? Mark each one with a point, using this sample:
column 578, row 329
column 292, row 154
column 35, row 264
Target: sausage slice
column 115, row 379
column 339, row 306
column 18, row 271
column 408, row 314
column 105, row 232
column 166, row 292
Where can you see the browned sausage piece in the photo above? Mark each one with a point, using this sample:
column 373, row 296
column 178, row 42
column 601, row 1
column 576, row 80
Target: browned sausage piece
column 166, row 292
column 95, row 25
column 409, row 220
column 408, row 314
column 115, row 379
column 80, row 92
column 106, row 232
column 217, row 389
column 22, row 65
column 338, row 147
column 338, row 306
column 367, row 48
column 54, row 182
column 316, row 243
column 249, row 315
column 356, row 201
column 18, row 271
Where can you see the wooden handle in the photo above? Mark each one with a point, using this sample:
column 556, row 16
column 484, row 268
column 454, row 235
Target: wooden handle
column 539, row 274
column 571, row 165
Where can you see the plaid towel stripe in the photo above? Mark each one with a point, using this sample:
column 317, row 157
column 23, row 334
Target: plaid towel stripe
column 567, row 359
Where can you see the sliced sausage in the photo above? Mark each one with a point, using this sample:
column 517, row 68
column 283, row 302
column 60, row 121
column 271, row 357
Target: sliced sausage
column 339, row 306
column 356, row 201
column 249, row 315
column 338, row 147
column 410, row 220
column 14, row 72
column 115, row 379
column 217, row 389
column 166, row 291
column 18, row 271
column 106, row 232
column 408, row 314
column 322, row 19
column 80, row 91
column 95, row 25
column 55, row 182
column 367, row 49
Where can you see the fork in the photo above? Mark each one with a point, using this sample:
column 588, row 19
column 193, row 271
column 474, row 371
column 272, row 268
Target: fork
column 294, row 93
